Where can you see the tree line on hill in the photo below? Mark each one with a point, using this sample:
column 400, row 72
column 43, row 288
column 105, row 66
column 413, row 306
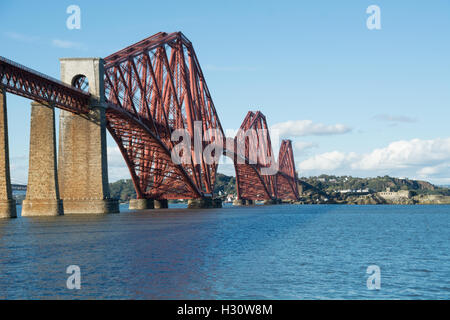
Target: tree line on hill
column 330, row 183
column 323, row 184
column 123, row 190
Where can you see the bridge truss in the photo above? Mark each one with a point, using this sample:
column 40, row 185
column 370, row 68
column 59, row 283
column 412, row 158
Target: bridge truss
column 154, row 88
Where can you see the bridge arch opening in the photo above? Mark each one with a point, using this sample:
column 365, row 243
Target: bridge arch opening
column 17, row 112
column 81, row 82
column 225, row 182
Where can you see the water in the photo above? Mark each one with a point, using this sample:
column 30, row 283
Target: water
column 273, row 252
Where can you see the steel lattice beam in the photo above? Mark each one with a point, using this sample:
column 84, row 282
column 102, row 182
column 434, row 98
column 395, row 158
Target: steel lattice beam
column 153, row 88
column 25, row 82
column 287, row 186
column 251, row 183
column 159, row 83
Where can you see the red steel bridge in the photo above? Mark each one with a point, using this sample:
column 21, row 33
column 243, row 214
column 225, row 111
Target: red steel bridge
column 153, row 88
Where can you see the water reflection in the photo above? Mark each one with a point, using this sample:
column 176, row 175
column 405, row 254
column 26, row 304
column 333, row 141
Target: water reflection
column 278, row 252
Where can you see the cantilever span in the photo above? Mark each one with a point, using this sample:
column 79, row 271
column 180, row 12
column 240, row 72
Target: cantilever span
column 286, row 178
column 159, row 83
column 141, row 95
column 159, row 86
column 252, row 183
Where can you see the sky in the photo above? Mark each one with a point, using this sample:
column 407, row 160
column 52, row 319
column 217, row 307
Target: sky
column 354, row 101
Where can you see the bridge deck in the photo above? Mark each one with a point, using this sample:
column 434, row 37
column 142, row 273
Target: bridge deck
column 23, row 81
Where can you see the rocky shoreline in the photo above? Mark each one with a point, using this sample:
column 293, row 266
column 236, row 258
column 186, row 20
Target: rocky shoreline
column 311, row 197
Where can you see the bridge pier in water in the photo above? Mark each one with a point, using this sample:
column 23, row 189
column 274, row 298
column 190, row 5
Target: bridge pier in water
column 243, row 202
column 141, row 204
column 204, row 203
column 42, row 198
column 148, row 204
column 7, row 203
column 270, row 202
column 82, row 163
column 161, row 204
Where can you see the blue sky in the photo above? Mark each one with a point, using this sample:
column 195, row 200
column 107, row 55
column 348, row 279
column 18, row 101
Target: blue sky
column 360, row 102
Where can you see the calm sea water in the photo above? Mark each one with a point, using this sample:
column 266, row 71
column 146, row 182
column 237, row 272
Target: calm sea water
column 273, row 252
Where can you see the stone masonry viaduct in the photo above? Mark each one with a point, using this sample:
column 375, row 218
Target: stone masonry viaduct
column 76, row 181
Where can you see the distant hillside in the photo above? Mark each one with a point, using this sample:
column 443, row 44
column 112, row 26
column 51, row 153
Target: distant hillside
column 225, row 184
column 323, row 185
column 329, row 184
column 123, row 190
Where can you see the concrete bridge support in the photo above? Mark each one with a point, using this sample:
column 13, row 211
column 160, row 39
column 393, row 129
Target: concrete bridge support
column 204, row 203
column 141, row 204
column 82, row 163
column 161, row 204
column 243, row 202
column 271, row 202
column 7, row 203
column 42, row 197
column 217, row 203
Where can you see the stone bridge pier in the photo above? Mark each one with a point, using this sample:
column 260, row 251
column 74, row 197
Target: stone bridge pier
column 243, row 202
column 42, row 197
column 82, row 160
column 7, row 203
column 76, row 182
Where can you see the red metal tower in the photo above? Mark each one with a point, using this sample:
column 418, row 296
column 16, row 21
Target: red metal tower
column 287, row 186
column 254, row 179
column 155, row 87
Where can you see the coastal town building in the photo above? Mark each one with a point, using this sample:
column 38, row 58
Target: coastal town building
column 358, row 191
column 395, row 195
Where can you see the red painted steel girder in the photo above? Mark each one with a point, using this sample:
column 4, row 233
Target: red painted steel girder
column 138, row 144
column 156, row 86
column 158, row 83
column 22, row 81
column 251, row 181
column 150, row 95
column 287, row 187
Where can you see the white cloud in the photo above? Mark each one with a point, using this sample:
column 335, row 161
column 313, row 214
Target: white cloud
column 227, row 169
column 304, row 148
column 429, row 171
column 117, row 168
column 18, row 165
column 403, row 154
column 21, row 37
column 304, row 145
column 300, row 128
column 440, row 170
column 424, row 159
column 64, row 44
column 327, row 161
